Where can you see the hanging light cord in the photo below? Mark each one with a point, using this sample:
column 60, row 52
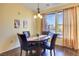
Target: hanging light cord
column 38, row 12
column 38, row 8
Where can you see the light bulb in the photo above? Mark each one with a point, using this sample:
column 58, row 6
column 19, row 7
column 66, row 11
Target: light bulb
column 40, row 16
column 35, row 16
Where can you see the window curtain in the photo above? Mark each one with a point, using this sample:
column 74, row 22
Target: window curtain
column 70, row 28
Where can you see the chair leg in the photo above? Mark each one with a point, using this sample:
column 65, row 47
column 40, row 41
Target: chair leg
column 26, row 53
column 50, row 52
column 54, row 51
column 21, row 53
column 44, row 50
column 30, row 52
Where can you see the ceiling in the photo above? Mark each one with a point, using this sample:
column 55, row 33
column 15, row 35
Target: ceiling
column 42, row 6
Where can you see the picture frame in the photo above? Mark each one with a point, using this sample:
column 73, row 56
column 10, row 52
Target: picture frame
column 25, row 23
column 16, row 23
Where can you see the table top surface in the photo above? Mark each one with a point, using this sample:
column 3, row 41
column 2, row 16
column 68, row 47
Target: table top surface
column 38, row 38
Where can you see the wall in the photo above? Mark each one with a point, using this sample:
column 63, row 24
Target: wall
column 8, row 34
column 38, row 25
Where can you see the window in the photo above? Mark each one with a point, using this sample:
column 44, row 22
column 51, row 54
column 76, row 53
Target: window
column 60, row 23
column 55, row 23
column 51, row 22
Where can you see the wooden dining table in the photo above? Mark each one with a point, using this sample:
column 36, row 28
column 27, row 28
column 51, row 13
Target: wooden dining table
column 38, row 39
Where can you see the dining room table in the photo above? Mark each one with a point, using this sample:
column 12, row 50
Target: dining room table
column 38, row 40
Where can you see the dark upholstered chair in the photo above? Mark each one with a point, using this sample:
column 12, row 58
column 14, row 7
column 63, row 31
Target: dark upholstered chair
column 51, row 45
column 27, row 33
column 24, row 44
column 45, row 32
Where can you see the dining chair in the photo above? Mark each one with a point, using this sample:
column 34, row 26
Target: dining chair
column 45, row 32
column 51, row 46
column 27, row 33
column 24, row 44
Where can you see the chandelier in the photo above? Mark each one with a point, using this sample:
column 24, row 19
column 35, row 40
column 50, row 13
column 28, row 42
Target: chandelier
column 38, row 15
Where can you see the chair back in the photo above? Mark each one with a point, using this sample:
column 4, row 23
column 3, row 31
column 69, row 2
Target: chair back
column 45, row 32
column 27, row 34
column 53, row 40
column 23, row 40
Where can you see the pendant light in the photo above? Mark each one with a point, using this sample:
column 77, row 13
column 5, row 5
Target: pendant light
column 38, row 15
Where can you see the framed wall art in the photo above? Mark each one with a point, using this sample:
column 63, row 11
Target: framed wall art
column 25, row 23
column 16, row 23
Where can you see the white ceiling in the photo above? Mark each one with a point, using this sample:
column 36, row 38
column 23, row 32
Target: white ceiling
column 42, row 6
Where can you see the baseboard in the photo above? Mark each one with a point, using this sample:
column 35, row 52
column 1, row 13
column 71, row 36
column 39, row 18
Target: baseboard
column 59, row 45
column 9, row 49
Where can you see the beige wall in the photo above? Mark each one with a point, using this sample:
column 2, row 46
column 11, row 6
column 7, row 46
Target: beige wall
column 9, row 12
column 38, row 26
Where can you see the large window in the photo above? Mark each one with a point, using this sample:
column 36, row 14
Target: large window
column 51, row 22
column 59, row 24
column 55, row 23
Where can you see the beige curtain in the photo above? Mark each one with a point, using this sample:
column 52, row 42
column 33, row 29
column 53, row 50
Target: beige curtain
column 70, row 28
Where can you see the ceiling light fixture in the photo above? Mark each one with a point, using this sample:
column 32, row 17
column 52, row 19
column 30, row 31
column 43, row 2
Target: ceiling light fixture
column 38, row 15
